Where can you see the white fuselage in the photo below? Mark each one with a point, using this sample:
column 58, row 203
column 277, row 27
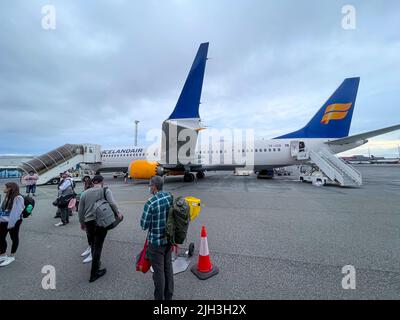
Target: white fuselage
column 264, row 154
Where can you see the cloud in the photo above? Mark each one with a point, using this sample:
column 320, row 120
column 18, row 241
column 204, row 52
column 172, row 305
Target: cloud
column 273, row 64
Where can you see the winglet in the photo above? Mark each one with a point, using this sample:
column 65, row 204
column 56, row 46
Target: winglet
column 188, row 103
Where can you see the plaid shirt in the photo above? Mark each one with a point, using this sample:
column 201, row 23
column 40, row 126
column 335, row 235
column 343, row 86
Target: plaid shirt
column 154, row 217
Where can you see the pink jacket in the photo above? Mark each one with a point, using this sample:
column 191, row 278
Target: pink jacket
column 30, row 180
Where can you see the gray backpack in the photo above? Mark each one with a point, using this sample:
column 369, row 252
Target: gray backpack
column 105, row 215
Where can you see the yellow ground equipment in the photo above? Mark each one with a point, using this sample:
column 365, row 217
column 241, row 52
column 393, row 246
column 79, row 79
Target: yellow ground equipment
column 195, row 207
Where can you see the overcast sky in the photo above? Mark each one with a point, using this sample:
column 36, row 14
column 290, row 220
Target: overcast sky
column 273, row 64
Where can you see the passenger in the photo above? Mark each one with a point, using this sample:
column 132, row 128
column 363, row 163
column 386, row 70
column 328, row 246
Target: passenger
column 154, row 219
column 87, row 218
column 88, row 252
column 30, row 180
column 126, row 176
column 61, row 180
column 10, row 222
column 65, row 194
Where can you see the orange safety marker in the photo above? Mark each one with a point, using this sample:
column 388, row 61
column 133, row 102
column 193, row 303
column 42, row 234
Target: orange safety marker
column 204, row 268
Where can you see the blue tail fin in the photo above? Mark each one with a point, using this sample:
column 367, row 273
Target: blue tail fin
column 189, row 100
column 334, row 118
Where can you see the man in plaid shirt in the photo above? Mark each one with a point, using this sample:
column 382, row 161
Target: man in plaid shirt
column 154, row 219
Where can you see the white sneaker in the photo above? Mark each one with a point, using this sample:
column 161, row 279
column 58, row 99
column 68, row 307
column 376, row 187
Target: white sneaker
column 2, row 258
column 86, row 252
column 88, row 259
column 7, row 261
column 60, row 224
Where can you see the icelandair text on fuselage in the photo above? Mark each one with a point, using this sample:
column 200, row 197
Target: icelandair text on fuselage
column 201, row 310
column 137, row 150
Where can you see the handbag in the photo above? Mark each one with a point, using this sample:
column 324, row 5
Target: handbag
column 72, row 203
column 63, row 201
column 142, row 263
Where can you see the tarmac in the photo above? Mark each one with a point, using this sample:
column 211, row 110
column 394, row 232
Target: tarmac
column 271, row 239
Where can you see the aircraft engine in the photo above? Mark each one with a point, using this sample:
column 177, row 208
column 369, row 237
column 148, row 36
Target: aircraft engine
column 143, row 169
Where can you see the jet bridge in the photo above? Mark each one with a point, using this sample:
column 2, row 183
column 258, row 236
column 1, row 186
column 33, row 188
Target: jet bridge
column 49, row 166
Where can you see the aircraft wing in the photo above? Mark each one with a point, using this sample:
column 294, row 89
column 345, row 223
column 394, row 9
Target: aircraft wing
column 363, row 136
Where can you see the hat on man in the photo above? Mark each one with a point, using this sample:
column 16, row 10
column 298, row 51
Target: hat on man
column 97, row 179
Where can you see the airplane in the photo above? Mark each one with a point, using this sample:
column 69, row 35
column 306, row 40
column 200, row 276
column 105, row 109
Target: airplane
column 328, row 129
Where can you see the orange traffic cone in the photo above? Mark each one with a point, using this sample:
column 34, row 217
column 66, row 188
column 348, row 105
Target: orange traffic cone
column 204, row 268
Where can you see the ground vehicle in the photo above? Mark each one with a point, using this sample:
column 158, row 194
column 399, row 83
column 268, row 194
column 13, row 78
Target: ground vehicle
column 86, row 174
column 313, row 174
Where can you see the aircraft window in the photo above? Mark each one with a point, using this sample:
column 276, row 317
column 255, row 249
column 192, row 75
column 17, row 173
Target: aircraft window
column 265, row 150
column 256, row 150
column 247, row 150
column 269, row 150
column 220, row 151
column 243, row 150
column 274, row 149
column 279, row 149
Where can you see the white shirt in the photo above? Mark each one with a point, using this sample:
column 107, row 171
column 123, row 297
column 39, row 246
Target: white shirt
column 15, row 213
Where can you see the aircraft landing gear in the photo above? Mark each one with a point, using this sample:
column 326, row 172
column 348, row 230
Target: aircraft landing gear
column 266, row 174
column 188, row 177
column 200, row 175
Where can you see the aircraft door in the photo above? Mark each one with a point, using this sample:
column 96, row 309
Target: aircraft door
column 294, row 148
column 298, row 150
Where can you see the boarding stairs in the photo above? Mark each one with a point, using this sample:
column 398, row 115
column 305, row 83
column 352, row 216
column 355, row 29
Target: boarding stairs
column 68, row 157
column 335, row 168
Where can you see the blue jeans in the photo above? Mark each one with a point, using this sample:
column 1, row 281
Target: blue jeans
column 31, row 189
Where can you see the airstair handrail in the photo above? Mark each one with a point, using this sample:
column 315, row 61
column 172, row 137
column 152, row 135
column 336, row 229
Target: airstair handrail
column 354, row 174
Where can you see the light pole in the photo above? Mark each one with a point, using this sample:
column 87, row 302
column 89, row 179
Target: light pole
column 136, row 131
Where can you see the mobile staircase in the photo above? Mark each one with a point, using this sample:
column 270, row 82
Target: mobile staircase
column 68, row 157
column 336, row 169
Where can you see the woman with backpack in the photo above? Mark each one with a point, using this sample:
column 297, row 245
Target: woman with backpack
column 87, row 254
column 10, row 221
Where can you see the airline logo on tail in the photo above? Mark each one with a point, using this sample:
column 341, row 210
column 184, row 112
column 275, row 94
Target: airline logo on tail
column 336, row 111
